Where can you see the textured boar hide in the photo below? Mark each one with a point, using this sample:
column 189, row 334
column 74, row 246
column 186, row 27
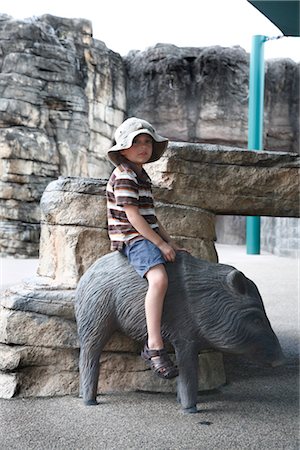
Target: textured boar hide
column 207, row 305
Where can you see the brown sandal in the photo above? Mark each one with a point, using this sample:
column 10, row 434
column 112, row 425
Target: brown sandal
column 160, row 362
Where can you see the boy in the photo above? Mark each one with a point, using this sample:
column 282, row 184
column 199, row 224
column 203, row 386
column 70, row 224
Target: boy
column 135, row 231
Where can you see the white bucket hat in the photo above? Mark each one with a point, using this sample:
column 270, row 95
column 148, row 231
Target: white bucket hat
column 127, row 131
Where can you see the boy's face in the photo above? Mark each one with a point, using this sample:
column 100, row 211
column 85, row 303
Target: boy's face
column 141, row 150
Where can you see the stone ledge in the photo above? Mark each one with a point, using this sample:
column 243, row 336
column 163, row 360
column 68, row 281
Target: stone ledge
column 227, row 180
column 74, row 228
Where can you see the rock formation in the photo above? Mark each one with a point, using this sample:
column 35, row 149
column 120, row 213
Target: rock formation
column 201, row 95
column 62, row 96
column 38, row 339
column 74, row 228
column 63, row 93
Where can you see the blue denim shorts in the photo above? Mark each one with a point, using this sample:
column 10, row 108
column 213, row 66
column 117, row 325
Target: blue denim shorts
column 143, row 255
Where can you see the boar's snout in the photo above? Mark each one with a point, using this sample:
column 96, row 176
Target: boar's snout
column 268, row 352
column 248, row 328
column 280, row 360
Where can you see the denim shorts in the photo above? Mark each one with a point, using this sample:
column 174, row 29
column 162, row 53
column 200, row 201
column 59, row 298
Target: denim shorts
column 143, row 255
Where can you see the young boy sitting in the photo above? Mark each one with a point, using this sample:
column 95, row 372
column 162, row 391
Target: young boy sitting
column 135, row 230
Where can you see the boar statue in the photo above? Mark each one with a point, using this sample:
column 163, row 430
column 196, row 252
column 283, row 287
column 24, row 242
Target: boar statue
column 207, row 305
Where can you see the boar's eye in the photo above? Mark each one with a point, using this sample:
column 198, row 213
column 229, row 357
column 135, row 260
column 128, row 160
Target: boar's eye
column 237, row 281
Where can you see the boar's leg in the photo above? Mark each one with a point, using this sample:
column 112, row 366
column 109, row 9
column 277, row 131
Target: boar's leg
column 187, row 384
column 89, row 373
column 92, row 342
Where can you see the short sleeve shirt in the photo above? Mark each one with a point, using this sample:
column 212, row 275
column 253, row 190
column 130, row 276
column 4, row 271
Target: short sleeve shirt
column 126, row 187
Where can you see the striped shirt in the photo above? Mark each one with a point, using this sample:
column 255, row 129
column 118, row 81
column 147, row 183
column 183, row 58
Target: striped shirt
column 126, row 187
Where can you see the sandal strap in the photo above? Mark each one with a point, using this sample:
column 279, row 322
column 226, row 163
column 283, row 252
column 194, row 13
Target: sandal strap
column 152, row 353
column 164, row 367
column 160, row 362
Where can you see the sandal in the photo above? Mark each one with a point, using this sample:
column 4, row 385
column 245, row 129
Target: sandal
column 160, row 362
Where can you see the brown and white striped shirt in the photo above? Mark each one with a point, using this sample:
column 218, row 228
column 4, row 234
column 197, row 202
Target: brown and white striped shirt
column 126, row 187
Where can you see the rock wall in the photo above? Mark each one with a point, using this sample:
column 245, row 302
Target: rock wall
column 38, row 337
column 245, row 182
column 201, row 95
column 74, row 228
column 62, row 94
column 281, row 236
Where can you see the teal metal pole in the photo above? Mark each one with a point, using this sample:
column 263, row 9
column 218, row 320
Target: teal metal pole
column 255, row 127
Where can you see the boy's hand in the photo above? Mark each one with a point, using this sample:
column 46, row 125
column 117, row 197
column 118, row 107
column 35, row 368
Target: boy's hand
column 168, row 251
column 160, row 239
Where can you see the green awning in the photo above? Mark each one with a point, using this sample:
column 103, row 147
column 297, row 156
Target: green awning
column 283, row 14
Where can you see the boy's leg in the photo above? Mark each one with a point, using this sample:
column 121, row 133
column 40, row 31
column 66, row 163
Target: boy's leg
column 155, row 353
column 157, row 287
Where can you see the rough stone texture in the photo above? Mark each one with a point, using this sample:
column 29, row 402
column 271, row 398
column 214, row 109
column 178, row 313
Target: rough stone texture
column 281, row 236
column 193, row 94
column 128, row 373
column 63, row 93
column 37, row 327
column 21, row 328
column 8, row 384
column 281, row 118
column 245, row 182
column 74, row 228
column 119, row 372
column 232, row 230
column 62, row 97
column 201, row 95
column 39, row 350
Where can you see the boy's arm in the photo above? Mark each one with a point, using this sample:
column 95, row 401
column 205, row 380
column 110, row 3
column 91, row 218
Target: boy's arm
column 163, row 233
column 142, row 226
column 166, row 237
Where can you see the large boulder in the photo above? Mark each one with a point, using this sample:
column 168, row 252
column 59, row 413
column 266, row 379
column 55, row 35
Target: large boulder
column 39, row 351
column 227, row 180
column 74, row 228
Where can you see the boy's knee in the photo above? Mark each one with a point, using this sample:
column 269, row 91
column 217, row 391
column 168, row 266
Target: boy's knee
column 163, row 281
column 157, row 276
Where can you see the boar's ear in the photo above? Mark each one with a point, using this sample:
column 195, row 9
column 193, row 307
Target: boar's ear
column 237, row 281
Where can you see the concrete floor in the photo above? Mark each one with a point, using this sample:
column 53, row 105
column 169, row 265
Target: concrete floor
column 13, row 271
column 257, row 409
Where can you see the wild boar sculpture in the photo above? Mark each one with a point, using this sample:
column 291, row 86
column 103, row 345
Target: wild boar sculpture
column 208, row 305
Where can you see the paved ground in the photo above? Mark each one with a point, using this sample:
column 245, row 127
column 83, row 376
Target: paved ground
column 257, row 409
column 12, row 271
